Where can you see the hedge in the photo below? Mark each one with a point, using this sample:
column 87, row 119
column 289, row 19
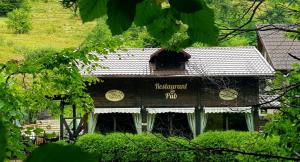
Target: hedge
column 240, row 141
column 154, row 147
column 128, row 147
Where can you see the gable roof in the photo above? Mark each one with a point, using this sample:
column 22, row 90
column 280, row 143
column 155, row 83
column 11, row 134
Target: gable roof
column 217, row 61
column 278, row 45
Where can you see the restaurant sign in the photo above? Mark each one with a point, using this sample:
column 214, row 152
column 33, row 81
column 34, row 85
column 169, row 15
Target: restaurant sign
column 171, row 95
column 114, row 95
column 228, row 94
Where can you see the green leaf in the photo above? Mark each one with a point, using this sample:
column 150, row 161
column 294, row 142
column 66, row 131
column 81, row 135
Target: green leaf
column 91, row 9
column 147, row 12
column 201, row 26
column 163, row 27
column 120, row 15
column 186, row 6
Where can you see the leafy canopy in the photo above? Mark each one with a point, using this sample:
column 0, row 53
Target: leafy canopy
column 286, row 123
column 162, row 18
column 31, row 85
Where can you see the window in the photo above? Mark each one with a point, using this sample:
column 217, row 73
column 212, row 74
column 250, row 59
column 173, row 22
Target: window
column 163, row 60
column 226, row 121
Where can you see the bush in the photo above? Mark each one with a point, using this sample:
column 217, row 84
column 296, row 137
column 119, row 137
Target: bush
column 128, row 147
column 9, row 5
column 56, row 152
column 241, row 141
column 153, row 147
column 19, row 20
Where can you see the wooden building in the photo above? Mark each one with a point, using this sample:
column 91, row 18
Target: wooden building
column 184, row 93
column 275, row 45
column 277, row 48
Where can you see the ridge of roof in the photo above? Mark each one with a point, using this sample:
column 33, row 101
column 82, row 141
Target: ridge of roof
column 209, row 61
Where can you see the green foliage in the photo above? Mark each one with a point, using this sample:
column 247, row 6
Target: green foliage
column 120, row 15
column 207, row 32
column 242, row 141
column 19, row 20
column 163, row 28
column 101, row 40
column 10, row 111
column 281, row 12
column 128, row 147
column 162, row 19
column 92, row 9
column 60, row 153
column 189, row 6
column 286, row 123
column 3, row 141
column 9, row 5
column 146, row 13
column 30, row 85
column 153, row 147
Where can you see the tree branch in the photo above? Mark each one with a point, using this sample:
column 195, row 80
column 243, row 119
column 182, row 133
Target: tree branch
column 246, row 23
column 294, row 57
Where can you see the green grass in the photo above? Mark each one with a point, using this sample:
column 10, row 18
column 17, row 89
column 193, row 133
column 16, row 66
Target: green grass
column 52, row 27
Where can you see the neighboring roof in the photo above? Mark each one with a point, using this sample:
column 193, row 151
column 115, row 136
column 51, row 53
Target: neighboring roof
column 277, row 45
column 267, row 101
column 217, row 61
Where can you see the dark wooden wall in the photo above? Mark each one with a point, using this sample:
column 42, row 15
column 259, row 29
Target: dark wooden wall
column 200, row 91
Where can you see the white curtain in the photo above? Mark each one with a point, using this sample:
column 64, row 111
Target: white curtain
column 92, row 122
column 150, row 121
column 203, row 118
column 137, row 118
column 192, row 122
column 249, row 121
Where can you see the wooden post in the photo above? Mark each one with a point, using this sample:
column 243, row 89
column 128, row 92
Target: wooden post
column 144, row 119
column 256, row 118
column 115, row 122
column 74, row 119
column 226, row 122
column 62, row 105
column 170, row 116
column 198, row 120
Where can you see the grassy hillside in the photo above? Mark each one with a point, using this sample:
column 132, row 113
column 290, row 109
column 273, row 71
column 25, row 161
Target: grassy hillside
column 52, row 27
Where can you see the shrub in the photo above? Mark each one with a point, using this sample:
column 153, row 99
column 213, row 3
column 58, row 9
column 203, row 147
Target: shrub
column 128, row 147
column 241, row 141
column 19, row 20
column 9, row 5
column 59, row 153
column 153, row 147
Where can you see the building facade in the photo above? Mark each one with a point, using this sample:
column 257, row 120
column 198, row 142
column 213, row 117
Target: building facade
column 177, row 93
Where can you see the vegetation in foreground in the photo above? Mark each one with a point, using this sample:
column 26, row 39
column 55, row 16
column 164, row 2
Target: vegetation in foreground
column 210, row 146
column 58, row 73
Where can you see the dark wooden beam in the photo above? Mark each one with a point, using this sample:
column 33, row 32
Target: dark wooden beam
column 68, row 129
column 198, row 120
column 62, row 105
column 115, row 122
column 144, row 119
column 74, row 118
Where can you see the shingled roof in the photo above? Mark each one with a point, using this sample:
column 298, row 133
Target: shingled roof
column 269, row 101
column 277, row 45
column 217, row 61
